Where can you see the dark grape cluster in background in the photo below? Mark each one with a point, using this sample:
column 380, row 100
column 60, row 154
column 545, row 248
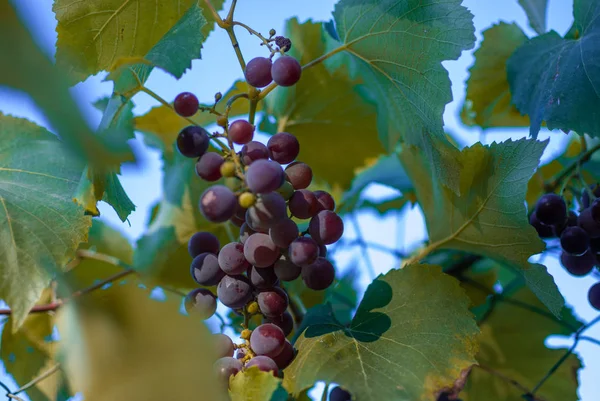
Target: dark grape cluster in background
column 266, row 201
column 579, row 234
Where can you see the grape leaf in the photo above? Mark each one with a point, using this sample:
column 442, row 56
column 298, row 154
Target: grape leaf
column 557, row 80
column 112, row 336
column 162, row 125
column 536, row 11
column 30, row 351
column 489, row 216
column 99, row 35
column 161, row 253
column 325, row 111
column 488, row 103
column 412, row 335
column 40, row 226
column 382, row 207
column 386, row 170
column 512, row 344
column 253, row 385
column 31, row 71
column 397, row 48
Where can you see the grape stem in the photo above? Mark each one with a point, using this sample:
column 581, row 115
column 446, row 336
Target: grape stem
column 584, row 157
column 325, row 391
column 215, row 14
column 264, row 40
column 83, row 254
column 39, row 378
column 229, row 18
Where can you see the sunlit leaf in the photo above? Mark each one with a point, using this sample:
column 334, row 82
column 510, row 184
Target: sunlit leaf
column 40, row 225
column 556, row 80
column 488, row 102
column 254, row 385
column 489, row 218
column 411, row 336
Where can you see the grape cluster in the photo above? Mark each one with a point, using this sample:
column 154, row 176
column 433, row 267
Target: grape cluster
column 579, row 235
column 265, row 200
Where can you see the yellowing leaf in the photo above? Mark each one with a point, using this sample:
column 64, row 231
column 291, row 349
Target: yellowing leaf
column 143, row 349
column 40, row 226
column 512, row 344
column 325, row 111
column 94, row 34
column 412, row 336
column 488, row 102
column 253, row 385
column 489, row 218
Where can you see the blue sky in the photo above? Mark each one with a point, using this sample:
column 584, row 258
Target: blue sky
column 396, row 230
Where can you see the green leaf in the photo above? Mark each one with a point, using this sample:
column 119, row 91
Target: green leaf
column 112, row 336
column 325, row 111
column 40, row 225
column 162, row 254
column 512, row 344
column 253, row 385
column 106, row 240
column 556, row 79
column 30, row 70
column 29, row 352
column 99, row 35
column 411, row 336
column 386, row 170
column 536, row 11
column 382, row 207
column 407, row 80
column 489, row 217
column 162, row 125
column 488, row 102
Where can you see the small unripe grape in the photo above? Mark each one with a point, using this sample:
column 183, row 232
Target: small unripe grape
column 228, row 169
column 222, row 121
column 247, row 200
column 253, row 308
column 246, row 334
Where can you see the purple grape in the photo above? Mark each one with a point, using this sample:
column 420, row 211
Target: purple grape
column 578, row 265
column 234, row 291
column 209, row 166
column 245, row 232
column 299, row 175
column 258, row 72
column 262, row 277
column 543, row 230
column 193, row 141
column 283, row 147
column 319, row 275
column 232, row 260
column 227, row 367
column 326, row 227
column 551, row 209
column 241, row 132
column 286, row 356
column 201, row 302
column 587, row 222
column 325, row 200
column 594, row 296
column 269, row 209
column 205, row 269
column 264, row 176
column 223, row 345
column 260, row 251
column 267, row 339
column 218, row 204
column 286, row 71
column 322, row 250
column 186, row 104
column 284, row 232
column 339, row 394
column 264, row 364
column 285, row 322
column 571, row 222
column 253, row 151
column 203, row 242
column 304, row 204
column 303, row 251
column 575, row 240
column 286, row 270
column 595, row 210
column 237, row 221
column 585, row 197
column 272, row 302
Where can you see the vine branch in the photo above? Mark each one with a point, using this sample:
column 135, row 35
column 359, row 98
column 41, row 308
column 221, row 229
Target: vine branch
column 569, row 170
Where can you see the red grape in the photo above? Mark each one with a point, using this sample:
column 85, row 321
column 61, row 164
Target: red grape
column 286, row 356
column 304, row 204
column 186, row 104
column 303, row 251
column 267, row 339
column 262, row 277
column 203, row 242
column 253, row 151
column 543, row 230
column 283, row 147
column 551, row 209
column 234, row 291
column 285, row 322
column 319, row 275
column 263, row 363
column 325, row 200
column 574, row 240
column 226, row 367
column 218, row 204
column 284, row 232
column 578, row 265
column 260, row 251
column 205, row 269
column 202, row 302
column 241, row 132
column 232, row 260
column 326, row 227
column 209, row 166
column 264, row 176
column 258, row 72
column 245, row 232
column 223, row 345
column 299, row 175
column 286, row 270
column 587, row 222
column 269, row 209
column 286, row 71
column 272, row 302
column 193, row 141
